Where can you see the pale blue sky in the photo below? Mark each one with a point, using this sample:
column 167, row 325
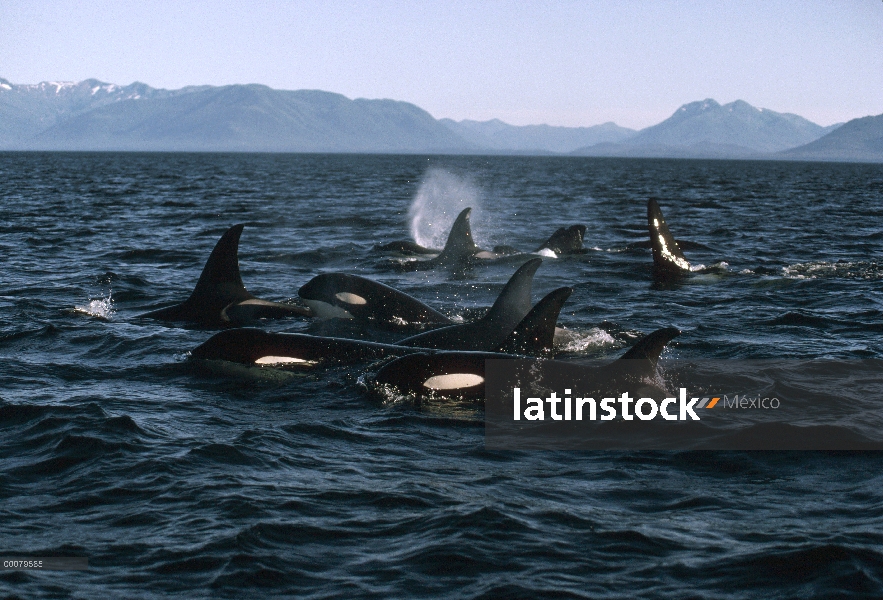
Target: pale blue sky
column 525, row 62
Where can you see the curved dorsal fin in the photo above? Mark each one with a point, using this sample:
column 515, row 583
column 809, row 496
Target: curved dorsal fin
column 535, row 334
column 650, row 346
column 460, row 246
column 220, row 279
column 219, row 286
column 667, row 255
column 513, row 303
column 487, row 333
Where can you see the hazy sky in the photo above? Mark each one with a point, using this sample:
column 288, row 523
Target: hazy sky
column 525, row 62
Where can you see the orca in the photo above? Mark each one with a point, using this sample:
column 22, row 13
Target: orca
column 338, row 295
column 251, row 346
column 565, row 240
column 668, row 260
column 344, row 296
column 532, row 337
column 437, row 374
column 451, row 374
column 220, row 298
column 460, row 248
column 510, row 308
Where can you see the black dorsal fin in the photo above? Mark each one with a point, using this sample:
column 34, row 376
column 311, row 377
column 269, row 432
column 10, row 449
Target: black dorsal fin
column 220, row 279
column 219, row 286
column 667, row 255
column 460, row 246
column 513, row 303
column 650, row 346
column 535, row 334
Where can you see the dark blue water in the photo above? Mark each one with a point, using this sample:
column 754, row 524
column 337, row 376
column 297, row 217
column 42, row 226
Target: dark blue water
column 177, row 481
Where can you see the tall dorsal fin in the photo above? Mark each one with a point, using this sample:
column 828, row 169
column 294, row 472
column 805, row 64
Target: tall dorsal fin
column 487, row 333
column 219, row 286
column 650, row 346
column 667, row 255
column 460, row 246
column 514, row 303
column 535, row 334
column 220, row 279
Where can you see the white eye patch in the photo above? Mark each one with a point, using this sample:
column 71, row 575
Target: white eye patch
column 350, row 298
column 283, row 360
column 454, row 381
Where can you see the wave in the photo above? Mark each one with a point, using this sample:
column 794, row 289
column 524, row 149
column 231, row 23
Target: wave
column 840, row 269
column 575, row 341
column 101, row 308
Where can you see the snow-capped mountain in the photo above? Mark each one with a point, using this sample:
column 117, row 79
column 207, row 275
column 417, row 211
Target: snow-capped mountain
column 94, row 115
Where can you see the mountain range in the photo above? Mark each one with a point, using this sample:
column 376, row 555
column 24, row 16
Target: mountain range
column 93, row 115
column 706, row 128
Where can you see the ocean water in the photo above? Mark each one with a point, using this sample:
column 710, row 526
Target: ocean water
column 179, row 481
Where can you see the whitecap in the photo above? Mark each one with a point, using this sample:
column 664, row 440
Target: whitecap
column 570, row 340
column 101, row 308
column 846, row 270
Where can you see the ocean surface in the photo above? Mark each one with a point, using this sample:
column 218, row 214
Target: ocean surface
column 178, row 481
